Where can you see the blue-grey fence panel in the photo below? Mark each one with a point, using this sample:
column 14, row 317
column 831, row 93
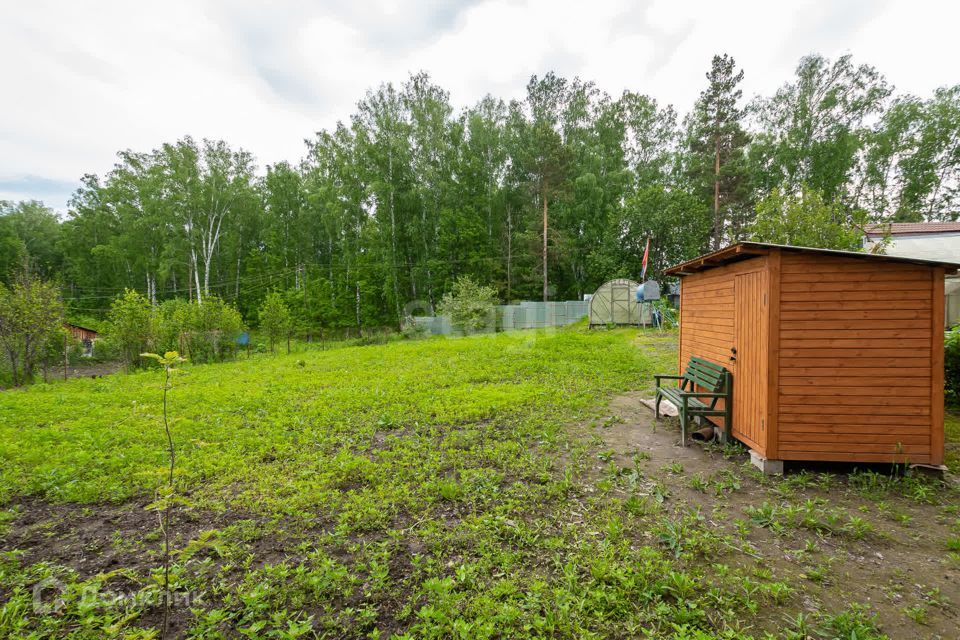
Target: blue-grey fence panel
column 525, row 315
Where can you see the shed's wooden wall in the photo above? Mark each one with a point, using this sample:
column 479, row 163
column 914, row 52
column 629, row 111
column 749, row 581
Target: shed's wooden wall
column 707, row 321
column 858, row 348
column 80, row 333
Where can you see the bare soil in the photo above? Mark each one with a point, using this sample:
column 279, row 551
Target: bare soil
column 98, row 539
column 899, row 564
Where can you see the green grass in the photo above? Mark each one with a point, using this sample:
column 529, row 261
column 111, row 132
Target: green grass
column 952, row 436
column 255, row 426
column 419, row 489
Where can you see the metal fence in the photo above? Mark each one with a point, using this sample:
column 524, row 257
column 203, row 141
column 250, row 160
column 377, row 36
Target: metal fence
column 525, row 315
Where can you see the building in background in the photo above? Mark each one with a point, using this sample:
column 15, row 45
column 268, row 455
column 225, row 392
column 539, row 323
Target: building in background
column 85, row 336
column 926, row 241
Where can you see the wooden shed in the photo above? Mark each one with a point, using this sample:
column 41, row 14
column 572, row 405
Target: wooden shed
column 83, row 334
column 834, row 355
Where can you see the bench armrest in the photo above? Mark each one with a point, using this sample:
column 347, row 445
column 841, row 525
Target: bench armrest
column 657, row 377
column 705, row 394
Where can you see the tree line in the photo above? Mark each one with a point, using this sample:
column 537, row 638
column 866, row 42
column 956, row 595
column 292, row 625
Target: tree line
column 544, row 197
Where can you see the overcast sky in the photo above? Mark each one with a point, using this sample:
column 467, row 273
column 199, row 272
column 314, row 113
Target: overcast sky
column 83, row 80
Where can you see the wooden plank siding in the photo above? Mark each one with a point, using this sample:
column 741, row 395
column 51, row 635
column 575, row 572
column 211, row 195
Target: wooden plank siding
column 857, row 360
column 852, row 356
column 937, row 442
column 707, row 321
column 751, row 368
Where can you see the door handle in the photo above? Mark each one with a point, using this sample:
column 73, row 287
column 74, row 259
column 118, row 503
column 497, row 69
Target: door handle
column 733, row 350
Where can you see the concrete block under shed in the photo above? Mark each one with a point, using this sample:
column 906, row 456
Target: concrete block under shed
column 767, row 466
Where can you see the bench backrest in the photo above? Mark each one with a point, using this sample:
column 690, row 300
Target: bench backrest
column 703, row 373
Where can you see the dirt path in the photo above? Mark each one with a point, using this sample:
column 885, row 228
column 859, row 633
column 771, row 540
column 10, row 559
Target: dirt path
column 837, row 536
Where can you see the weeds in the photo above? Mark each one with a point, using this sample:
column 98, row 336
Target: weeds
column 917, row 613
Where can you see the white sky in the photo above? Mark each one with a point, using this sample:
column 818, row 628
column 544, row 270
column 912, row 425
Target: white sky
column 83, row 80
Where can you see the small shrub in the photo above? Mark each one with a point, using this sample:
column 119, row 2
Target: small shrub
column 413, row 330
column 128, row 327
column 275, row 319
column 203, row 332
column 470, row 305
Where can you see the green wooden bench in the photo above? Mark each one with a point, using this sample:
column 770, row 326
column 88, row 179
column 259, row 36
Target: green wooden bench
column 690, row 401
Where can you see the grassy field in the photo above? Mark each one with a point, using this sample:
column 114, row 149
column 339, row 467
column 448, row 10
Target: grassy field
column 446, row 488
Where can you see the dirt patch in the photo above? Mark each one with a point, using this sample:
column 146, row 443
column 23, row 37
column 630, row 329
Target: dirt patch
column 87, row 370
column 79, row 370
column 899, row 567
column 98, row 539
column 630, row 430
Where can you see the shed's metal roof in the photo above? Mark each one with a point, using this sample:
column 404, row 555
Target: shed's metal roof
column 744, row 250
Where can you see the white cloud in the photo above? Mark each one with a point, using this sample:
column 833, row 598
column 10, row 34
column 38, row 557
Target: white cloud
column 83, row 80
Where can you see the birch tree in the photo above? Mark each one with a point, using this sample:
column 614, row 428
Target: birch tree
column 208, row 185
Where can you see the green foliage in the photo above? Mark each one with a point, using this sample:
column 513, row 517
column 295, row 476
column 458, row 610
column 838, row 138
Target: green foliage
column 209, row 330
column 12, row 250
column 31, row 318
column 952, row 365
column 913, row 158
column 855, row 623
column 676, row 222
column 716, row 164
column 204, row 332
column 128, row 327
column 470, row 305
column 815, row 126
column 806, row 220
column 29, row 231
column 52, row 355
column 275, row 318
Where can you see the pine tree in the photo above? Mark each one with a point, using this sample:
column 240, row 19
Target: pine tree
column 716, row 144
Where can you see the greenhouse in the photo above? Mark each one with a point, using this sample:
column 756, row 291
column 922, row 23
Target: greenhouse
column 615, row 303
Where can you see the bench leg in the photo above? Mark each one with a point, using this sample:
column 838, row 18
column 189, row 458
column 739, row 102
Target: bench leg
column 656, row 407
column 727, row 410
column 683, row 423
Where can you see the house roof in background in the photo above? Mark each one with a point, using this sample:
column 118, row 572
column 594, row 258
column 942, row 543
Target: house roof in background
column 744, row 250
column 70, row 325
column 905, row 228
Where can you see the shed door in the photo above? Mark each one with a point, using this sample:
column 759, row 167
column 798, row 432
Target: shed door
column 750, row 366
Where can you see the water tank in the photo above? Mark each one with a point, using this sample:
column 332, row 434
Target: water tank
column 651, row 290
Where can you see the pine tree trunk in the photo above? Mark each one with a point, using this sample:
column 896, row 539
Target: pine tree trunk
column 509, row 254
column 717, row 222
column 545, row 286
